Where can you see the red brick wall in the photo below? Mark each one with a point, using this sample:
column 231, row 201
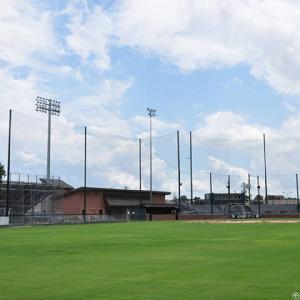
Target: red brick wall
column 159, row 199
column 165, row 217
column 74, row 203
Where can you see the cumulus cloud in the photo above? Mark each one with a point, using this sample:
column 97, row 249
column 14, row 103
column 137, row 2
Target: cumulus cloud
column 26, row 34
column 189, row 34
column 90, row 35
column 213, row 34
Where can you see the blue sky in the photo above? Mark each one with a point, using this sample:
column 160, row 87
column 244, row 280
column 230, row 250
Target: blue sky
column 223, row 69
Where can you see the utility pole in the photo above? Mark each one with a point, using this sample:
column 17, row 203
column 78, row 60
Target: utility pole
column 50, row 107
column 8, row 165
column 191, row 166
column 265, row 164
column 151, row 114
column 178, row 167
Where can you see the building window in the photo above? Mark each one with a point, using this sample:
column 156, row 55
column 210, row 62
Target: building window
column 100, row 211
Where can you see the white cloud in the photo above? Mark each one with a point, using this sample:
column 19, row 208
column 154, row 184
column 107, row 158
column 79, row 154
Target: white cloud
column 291, row 108
column 211, row 34
column 90, row 36
column 228, row 125
column 26, row 34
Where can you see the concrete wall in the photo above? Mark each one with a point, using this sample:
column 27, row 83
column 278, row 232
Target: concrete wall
column 280, row 216
column 199, row 217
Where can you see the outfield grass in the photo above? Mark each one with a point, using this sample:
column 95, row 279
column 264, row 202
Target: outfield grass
column 150, row 260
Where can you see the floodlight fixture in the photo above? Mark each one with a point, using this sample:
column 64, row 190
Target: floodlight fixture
column 50, row 107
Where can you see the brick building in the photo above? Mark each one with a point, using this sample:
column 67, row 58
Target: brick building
column 112, row 201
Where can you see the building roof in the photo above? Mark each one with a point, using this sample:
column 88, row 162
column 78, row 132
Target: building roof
column 111, row 190
column 56, row 183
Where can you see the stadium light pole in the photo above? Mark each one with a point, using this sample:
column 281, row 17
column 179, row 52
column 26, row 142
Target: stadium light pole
column 50, row 107
column 151, row 114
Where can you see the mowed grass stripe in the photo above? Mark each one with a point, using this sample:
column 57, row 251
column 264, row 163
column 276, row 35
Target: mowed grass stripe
column 150, row 260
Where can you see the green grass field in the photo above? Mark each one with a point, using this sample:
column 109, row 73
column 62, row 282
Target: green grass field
column 150, row 260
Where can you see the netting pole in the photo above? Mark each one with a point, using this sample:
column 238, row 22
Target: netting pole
column 191, row 166
column 178, row 166
column 84, row 192
column 265, row 164
column 228, row 187
column 258, row 194
column 297, row 186
column 211, row 194
column 140, row 169
column 249, row 187
column 140, row 163
column 8, row 165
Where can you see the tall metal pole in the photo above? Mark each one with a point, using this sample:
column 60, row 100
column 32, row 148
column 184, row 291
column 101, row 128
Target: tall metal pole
column 150, row 159
column 258, row 195
column 151, row 114
column 211, row 194
column 8, row 165
column 191, row 166
column 178, row 165
column 249, row 187
column 228, row 188
column 49, row 140
column 265, row 164
column 85, row 158
column 51, row 107
column 140, row 169
column 297, row 186
column 140, row 164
